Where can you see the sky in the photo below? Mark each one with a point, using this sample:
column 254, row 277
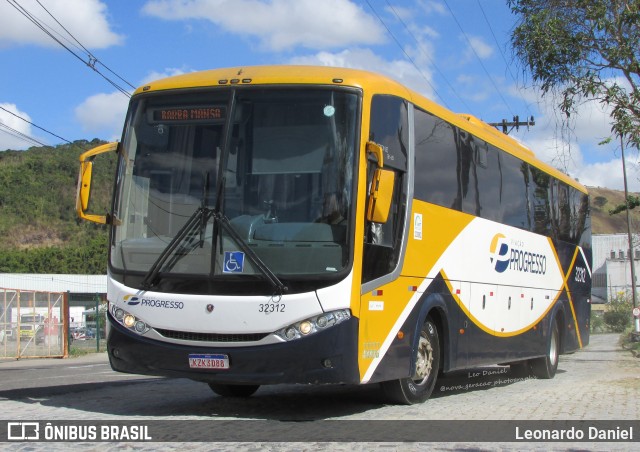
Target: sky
column 455, row 52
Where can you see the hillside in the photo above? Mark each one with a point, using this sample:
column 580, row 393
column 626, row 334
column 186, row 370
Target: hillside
column 602, row 201
column 38, row 224
column 41, row 233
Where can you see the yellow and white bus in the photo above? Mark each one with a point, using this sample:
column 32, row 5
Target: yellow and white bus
column 291, row 224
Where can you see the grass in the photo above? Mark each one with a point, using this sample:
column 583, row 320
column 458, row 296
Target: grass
column 76, row 352
column 630, row 340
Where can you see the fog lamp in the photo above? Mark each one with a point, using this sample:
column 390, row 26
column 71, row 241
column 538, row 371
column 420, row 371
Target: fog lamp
column 322, row 321
column 140, row 326
column 290, row 333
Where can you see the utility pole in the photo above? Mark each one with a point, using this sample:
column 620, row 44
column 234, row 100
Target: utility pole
column 516, row 123
column 631, row 254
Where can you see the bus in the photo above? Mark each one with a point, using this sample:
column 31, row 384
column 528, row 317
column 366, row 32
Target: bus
column 293, row 224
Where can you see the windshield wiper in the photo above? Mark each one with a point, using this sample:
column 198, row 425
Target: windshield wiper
column 185, row 239
column 200, row 217
column 244, row 246
column 187, row 231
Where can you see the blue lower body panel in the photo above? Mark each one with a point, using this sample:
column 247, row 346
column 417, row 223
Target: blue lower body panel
column 299, row 361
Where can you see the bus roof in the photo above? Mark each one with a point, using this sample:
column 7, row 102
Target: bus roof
column 369, row 81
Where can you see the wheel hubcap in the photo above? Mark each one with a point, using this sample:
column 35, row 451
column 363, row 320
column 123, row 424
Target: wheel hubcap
column 424, row 360
column 553, row 348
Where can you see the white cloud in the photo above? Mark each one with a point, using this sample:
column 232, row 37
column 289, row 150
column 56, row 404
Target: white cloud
column 8, row 138
column 85, row 19
column 405, row 14
column 429, row 7
column 609, row 174
column 280, row 24
column 479, row 47
column 103, row 114
column 474, row 88
column 576, row 151
column 400, row 70
column 167, row 72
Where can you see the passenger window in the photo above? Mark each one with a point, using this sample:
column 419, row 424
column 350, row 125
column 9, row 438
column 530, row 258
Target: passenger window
column 436, row 178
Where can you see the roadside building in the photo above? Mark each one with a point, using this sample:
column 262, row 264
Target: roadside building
column 611, row 269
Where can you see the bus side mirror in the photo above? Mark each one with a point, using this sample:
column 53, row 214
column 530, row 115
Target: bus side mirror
column 380, row 195
column 377, row 151
column 84, row 182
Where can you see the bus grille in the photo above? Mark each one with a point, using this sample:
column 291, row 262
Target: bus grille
column 211, row 337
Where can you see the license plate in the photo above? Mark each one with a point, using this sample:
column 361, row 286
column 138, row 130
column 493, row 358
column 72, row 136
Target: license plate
column 209, row 361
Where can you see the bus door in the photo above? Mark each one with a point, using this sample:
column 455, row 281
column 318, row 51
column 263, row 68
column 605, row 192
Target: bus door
column 383, row 241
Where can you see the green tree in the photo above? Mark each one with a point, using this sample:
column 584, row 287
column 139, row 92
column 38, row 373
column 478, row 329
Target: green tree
column 632, row 202
column 584, row 50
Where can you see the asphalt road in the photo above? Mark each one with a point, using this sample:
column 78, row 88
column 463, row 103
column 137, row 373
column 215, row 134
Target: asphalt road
column 599, row 383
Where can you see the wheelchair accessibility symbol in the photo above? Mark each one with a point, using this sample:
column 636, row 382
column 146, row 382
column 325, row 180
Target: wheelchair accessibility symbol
column 233, row 262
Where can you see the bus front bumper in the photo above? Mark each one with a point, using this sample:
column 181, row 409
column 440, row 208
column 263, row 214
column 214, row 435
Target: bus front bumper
column 329, row 356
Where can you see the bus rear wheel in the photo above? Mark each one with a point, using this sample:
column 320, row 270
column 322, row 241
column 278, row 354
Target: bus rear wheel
column 233, row 390
column 547, row 366
column 418, row 387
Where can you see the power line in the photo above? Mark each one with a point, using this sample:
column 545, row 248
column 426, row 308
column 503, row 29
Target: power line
column 92, row 60
column 35, row 125
column 504, row 58
column 406, row 54
column 17, row 134
column 427, row 56
column 91, row 56
column 478, row 57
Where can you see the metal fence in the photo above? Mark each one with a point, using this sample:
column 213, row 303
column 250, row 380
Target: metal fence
column 33, row 324
column 87, row 331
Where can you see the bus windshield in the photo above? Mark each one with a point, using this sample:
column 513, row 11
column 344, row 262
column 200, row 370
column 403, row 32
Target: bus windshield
column 223, row 182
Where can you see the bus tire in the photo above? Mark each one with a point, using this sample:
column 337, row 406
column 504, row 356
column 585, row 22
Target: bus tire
column 233, row 390
column 547, row 366
column 418, row 388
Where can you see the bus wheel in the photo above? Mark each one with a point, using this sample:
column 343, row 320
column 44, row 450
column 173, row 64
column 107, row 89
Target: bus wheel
column 418, row 388
column 546, row 366
column 233, row 390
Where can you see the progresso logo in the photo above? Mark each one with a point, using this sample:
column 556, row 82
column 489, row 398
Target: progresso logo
column 499, row 250
column 513, row 255
column 130, row 300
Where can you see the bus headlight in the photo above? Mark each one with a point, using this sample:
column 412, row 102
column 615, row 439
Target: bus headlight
column 305, row 327
column 129, row 321
column 314, row 324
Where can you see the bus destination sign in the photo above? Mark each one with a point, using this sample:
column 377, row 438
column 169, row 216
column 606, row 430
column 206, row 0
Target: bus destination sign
column 200, row 113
